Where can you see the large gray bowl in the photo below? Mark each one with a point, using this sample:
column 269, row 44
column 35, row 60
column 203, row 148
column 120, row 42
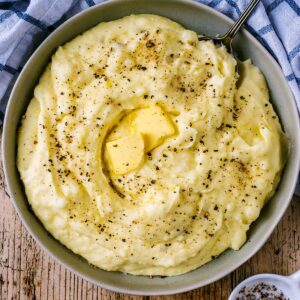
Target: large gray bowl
column 203, row 20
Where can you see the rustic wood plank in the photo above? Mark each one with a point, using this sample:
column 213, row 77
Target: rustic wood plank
column 27, row 272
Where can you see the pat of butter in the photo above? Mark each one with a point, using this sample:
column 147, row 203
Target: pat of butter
column 154, row 125
column 140, row 131
column 122, row 129
column 125, row 154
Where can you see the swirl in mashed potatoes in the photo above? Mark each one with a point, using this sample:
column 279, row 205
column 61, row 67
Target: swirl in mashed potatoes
column 141, row 153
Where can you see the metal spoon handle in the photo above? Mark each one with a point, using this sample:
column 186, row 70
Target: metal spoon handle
column 237, row 25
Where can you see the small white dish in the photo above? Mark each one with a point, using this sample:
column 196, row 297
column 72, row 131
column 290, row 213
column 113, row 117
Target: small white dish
column 288, row 285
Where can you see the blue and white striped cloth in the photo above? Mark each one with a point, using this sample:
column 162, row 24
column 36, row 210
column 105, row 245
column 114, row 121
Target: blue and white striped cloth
column 24, row 24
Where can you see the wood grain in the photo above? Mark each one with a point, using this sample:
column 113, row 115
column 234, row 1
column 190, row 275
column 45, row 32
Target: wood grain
column 27, row 272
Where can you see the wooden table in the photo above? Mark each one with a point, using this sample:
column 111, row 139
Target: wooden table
column 27, row 272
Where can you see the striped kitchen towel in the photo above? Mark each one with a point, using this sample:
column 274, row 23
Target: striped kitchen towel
column 24, row 24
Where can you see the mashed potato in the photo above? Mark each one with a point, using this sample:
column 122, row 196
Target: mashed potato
column 139, row 152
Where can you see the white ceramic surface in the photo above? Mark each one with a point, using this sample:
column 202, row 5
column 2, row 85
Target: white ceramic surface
column 289, row 285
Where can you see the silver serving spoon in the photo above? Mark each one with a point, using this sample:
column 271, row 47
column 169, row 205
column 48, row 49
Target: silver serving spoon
column 227, row 38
